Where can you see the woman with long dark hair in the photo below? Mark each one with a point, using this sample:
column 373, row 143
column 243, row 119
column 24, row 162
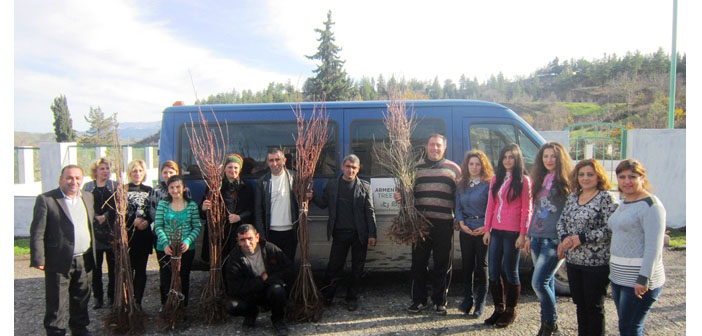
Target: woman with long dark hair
column 176, row 212
column 471, row 201
column 549, row 192
column 160, row 191
column 585, row 240
column 102, row 188
column 507, row 218
column 636, row 253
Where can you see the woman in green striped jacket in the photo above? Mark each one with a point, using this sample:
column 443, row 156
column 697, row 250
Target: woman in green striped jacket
column 176, row 214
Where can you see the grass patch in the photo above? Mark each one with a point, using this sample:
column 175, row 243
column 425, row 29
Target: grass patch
column 581, row 109
column 21, row 246
column 677, row 237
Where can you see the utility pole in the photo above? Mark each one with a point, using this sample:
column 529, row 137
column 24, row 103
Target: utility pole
column 673, row 69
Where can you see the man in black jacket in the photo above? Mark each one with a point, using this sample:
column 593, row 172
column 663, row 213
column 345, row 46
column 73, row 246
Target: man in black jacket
column 351, row 224
column 61, row 245
column 276, row 208
column 257, row 273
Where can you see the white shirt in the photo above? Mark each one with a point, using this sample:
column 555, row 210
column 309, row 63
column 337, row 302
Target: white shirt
column 281, row 218
column 79, row 216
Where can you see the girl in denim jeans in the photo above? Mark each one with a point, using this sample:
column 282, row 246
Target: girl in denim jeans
column 507, row 217
column 549, row 191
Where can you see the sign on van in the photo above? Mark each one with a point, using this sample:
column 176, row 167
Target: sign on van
column 383, row 191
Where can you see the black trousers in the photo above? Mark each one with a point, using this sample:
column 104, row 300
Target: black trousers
column 138, row 260
column 97, row 274
column 164, row 272
column 67, row 294
column 275, row 296
column 440, row 242
column 285, row 240
column 475, row 269
column 342, row 242
column 588, row 288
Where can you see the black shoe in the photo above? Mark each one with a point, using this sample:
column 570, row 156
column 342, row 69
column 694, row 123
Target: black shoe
column 416, row 307
column 352, row 305
column 328, row 302
column 98, row 303
column 249, row 322
column 440, row 309
column 280, row 328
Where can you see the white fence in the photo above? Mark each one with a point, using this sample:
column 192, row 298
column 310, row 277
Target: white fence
column 52, row 158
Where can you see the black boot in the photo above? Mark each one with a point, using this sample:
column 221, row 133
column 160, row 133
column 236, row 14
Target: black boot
column 512, row 297
column 498, row 299
column 98, row 303
column 549, row 329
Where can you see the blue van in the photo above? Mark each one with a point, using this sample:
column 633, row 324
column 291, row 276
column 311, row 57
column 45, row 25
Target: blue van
column 354, row 127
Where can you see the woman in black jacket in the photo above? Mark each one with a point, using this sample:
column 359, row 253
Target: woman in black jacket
column 238, row 197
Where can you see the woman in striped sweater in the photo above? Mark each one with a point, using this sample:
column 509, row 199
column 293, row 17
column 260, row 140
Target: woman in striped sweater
column 176, row 211
column 507, row 218
column 636, row 252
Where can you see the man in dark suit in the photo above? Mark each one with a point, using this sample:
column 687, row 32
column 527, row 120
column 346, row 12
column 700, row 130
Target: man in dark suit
column 61, row 245
column 351, row 225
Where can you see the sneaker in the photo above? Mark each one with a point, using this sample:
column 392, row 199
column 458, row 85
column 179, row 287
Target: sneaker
column 352, row 305
column 281, row 329
column 98, row 304
column 416, row 307
column 440, row 309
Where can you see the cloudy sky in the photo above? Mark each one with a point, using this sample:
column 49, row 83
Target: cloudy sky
column 136, row 57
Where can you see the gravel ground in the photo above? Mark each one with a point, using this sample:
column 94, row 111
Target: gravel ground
column 382, row 309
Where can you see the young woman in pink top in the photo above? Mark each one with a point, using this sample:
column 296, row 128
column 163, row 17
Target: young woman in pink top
column 507, row 218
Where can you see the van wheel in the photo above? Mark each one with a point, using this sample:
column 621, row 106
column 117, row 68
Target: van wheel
column 561, row 278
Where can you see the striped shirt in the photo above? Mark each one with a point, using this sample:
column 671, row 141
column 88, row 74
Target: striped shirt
column 636, row 250
column 187, row 221
column 435, row 188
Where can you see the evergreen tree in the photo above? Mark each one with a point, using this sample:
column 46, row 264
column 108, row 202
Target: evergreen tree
column 102, row 129
column 63, row 125
column 331, row 81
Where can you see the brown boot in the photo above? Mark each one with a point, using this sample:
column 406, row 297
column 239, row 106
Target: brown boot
column 498, row 299
column 511, row 298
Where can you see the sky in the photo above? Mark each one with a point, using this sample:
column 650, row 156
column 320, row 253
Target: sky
column 135, row 58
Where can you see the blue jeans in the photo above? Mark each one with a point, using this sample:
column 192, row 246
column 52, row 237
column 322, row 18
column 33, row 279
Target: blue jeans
column 503, row 256
column 544, row 254
column 632, row 311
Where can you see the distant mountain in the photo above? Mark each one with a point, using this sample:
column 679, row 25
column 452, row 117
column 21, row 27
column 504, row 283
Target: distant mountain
column 138, row 130
column 33, row 139
column 129, row 132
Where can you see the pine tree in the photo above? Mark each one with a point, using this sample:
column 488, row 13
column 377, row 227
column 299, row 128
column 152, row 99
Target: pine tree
column 331, row 82
column 63, row 125
column 102, row 130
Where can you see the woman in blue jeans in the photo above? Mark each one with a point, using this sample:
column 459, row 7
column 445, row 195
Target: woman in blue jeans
column 507, row 218
column 549, row 191
column 636, row 252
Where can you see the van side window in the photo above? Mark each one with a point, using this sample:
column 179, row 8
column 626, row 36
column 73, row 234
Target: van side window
column 366, row 133
column 252, row 141
column 490, row 138
column 529, row 149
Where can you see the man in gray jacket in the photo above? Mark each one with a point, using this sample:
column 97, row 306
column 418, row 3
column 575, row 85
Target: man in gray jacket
column 351, row 224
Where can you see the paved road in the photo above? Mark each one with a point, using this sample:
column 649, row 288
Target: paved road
column 383, row 301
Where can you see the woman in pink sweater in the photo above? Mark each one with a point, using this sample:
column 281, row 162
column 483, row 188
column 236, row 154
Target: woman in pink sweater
column 507, row 218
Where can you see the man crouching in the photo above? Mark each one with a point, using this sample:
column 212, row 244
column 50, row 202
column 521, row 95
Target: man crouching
column 256, row 274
